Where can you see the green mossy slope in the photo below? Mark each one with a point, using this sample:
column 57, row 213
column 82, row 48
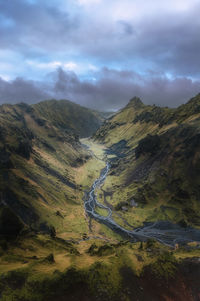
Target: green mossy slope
column 157, row 162
column 39, row 156
column 70, row 116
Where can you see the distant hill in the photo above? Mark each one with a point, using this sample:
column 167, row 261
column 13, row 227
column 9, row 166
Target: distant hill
column 68, row 115
column 158, row 161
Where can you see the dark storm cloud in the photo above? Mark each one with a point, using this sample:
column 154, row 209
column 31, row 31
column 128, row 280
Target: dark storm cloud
column 110, row 91
column 21, row 90
column 34, row 26
column 173, row 44
column 168, row 41
column 38, row 36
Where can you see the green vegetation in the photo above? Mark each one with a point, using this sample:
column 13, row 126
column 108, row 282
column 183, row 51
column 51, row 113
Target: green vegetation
column 69, row 116
column 150, row 144
column 40, row 159
column 157, row 163
column 96, row 268
column 101, row 250
column 49, row 248
column 165, row 266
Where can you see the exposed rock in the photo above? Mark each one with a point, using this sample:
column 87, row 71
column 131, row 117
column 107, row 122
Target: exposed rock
column 133, row 203
column 124, row 208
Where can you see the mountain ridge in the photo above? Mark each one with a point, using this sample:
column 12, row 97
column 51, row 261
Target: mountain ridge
column 39, row 157
column 62, row 113
column 157, row 161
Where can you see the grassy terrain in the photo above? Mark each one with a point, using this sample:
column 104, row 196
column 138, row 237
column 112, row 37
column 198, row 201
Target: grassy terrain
column 157, row 162
column 85, row 176
column 59, row 253
column 68, row 115
column 87, row 173
column 45, row 169
column 40, row 162
column 37, row 267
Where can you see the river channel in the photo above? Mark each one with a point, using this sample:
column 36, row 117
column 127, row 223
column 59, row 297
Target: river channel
column 163, row 231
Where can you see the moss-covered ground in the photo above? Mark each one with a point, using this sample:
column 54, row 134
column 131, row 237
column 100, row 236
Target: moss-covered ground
column 37, row 267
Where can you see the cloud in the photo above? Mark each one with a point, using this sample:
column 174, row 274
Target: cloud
column 149, row 42
column 53, row 65
column 111, row 88
column 39, row 26
column 138, row 34
column 80, row 37
column 20, row 90
column 88, row 2
column 49, row 65
column 106, row 89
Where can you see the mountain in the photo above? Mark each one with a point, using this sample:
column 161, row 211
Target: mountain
column 156, row 163
column 39, row 154
column 65, row 114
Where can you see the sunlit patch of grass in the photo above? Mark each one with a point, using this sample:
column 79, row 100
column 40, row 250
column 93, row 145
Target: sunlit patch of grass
column 96, row 148
column 86, row 174
column 189, row 251
column 101, row 211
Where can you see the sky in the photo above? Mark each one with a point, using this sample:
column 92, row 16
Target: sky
column 100, row 53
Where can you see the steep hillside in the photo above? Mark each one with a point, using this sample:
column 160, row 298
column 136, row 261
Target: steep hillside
column 155, row 162
column 39, row 156
column 68, row 115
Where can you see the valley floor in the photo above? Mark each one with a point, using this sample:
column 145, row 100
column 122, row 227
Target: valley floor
column 103, row 211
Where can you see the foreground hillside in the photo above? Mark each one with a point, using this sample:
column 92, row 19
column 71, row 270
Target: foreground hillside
column 155, row 163
column 45, row 269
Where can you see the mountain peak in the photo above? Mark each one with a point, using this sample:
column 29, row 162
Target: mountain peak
column 136, row 102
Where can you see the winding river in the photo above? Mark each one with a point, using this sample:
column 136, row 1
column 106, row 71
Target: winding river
column 163, row 231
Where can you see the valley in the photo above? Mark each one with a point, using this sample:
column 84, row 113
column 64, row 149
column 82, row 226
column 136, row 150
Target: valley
column 163, row 231
column 99, row 150
column 115, row 216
